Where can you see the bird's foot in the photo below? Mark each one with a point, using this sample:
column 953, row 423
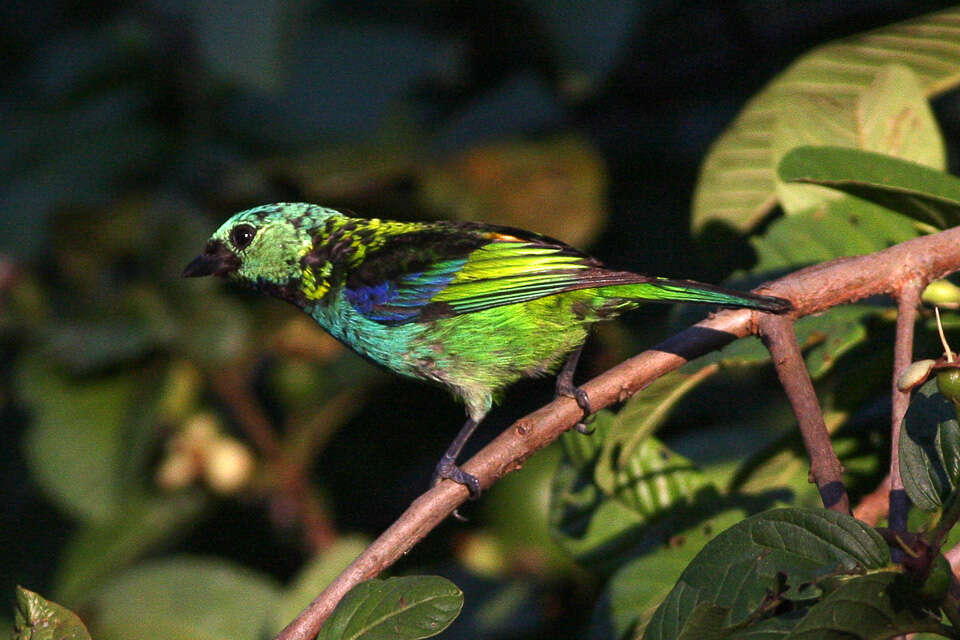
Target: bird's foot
column 448, row 470
column 583, row 402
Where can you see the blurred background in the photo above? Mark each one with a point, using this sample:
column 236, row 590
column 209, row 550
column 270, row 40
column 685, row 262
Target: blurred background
column 146, row 418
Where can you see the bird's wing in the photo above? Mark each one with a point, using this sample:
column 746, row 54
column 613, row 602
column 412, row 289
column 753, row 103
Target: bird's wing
column 497, row 267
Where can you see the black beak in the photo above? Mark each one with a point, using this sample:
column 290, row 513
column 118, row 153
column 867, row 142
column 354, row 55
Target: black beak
column 215, row 260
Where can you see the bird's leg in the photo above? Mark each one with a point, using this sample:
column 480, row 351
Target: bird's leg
column 447, row 467
column 565, row 387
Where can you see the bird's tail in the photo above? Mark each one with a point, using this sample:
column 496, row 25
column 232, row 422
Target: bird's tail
column 698, row 292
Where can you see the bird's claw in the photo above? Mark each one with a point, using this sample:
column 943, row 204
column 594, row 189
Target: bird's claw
column 448, row 470
column 583, row 401
column 582, row 427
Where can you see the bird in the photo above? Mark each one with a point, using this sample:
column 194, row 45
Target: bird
column 469, row 306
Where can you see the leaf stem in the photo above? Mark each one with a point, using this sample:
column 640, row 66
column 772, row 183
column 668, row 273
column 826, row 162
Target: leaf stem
column 943, row 339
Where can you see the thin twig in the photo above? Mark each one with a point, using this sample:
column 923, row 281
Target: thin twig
column 825, row 468
column 907, row 301
column 292, row 495
column 233, row 388
column 812, row 290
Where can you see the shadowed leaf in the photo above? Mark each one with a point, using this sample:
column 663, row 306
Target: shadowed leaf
column 610, row 487
column 98, row 550
column 633, row 593
column 763, row 555
column 185, row 598
column 930, row 448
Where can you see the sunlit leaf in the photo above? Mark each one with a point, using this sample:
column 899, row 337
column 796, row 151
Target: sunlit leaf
column 892, row 116
column 841, row 228
column 40, row 619
column 404, row 608
column 737, row 184
column 922, row 193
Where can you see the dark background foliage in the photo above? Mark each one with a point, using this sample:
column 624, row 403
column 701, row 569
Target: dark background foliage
column 131, row 130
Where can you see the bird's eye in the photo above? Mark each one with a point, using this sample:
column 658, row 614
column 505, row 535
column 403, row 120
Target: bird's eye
column 242, row 235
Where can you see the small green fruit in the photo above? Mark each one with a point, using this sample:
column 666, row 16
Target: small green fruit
column 948, row 381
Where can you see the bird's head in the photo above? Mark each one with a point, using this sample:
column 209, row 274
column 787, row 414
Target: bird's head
column 261, row 246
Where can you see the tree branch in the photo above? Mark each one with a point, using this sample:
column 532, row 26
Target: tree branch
column 908, row 299
column 812, row 290
column 825, row 468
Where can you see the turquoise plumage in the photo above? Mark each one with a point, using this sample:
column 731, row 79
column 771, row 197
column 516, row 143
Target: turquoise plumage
column 471, row 307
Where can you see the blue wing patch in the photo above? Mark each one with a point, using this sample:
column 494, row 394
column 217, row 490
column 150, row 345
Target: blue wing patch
column 397, row 301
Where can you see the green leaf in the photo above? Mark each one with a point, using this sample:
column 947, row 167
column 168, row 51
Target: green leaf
column 316, row 575
column 922, row 193
column 138, row 324
column 75, row 440
column 633, row 593
column 764, row 554
column 738, row 182
column 705, row 623
column 404, row 608
column 637, row 468
column 515, row 511
column 842, row 228
column 930, row 448
column 98, row 550
column 185, row 598
column 864, row 607
column 892, row 116
column 612, row 486
column 40, row 619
